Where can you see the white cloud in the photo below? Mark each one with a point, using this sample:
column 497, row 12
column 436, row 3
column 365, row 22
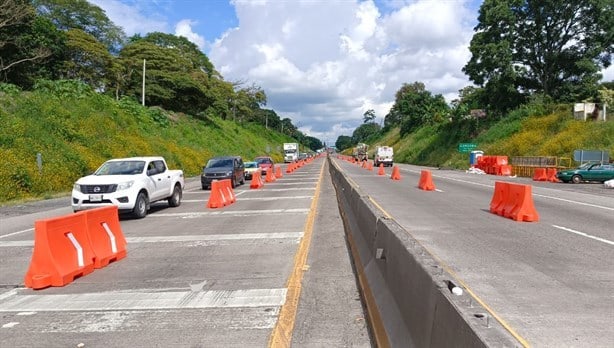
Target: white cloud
column 325, row 64
column 184, row 28
column 131, row 17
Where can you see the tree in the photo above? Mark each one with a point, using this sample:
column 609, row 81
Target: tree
column 313, row 143
column 169, row 81
column 368, row 116
column 80, row 14
column 555, row 48
column 287, row 127
column 414, row 107
column 343, row 142
column 88, row 60
column 25, row 43
column 187, row 49
column 364, row 131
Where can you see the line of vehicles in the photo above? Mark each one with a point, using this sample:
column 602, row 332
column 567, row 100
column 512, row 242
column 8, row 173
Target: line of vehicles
column 382, row 154
column 133, row 184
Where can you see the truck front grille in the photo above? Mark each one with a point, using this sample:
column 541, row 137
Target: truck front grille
column 98, row 188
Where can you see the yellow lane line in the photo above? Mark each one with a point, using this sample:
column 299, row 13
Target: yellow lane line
column 282, row 332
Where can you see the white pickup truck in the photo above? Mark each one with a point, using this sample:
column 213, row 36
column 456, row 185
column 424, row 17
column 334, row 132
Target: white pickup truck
column 131, row 184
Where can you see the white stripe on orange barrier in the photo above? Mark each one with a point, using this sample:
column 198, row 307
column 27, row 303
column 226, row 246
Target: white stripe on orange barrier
column 78, row 248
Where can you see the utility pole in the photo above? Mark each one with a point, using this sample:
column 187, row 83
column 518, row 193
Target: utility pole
column 143, row 93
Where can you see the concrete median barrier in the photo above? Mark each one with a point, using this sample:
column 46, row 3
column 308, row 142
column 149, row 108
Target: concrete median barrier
column 408, row 294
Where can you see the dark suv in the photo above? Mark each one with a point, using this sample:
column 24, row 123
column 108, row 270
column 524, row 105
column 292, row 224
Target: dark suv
column 224, row 167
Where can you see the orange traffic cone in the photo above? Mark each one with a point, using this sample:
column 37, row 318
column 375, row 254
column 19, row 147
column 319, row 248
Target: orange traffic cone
column 381, row 169
column 370, row 166
column 278, row 173
column 396, row 174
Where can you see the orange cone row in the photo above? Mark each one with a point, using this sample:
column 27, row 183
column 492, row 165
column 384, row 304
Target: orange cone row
column 513, row 201
column 72, row 246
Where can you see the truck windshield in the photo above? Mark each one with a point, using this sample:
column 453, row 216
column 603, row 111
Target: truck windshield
column 121, row 168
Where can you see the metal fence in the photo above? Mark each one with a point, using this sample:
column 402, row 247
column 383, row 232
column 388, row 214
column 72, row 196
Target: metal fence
column 525, row 166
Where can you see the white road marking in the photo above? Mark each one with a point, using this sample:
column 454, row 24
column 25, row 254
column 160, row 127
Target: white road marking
column 8, row 294
column 584, row 234
column 216, row 237
column 288, row 189
column 145, row 300
column 189, row 238
column 574, row 202
column 18, row 232
column 10, row 325
column 233, row 213
column 251, row 199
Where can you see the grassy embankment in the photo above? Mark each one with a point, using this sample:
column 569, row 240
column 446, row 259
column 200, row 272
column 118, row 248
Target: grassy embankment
column 74, row 135
column 529, row 131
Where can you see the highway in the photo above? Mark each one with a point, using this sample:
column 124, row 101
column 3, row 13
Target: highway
column 550, row 281
column 197, row 277
column 203, row 277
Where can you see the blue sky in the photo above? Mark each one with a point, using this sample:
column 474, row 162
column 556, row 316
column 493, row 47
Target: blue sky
column 322, row 63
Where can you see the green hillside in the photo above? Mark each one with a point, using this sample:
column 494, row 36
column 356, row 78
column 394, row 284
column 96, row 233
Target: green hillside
column 525, row 132
column 76, row 133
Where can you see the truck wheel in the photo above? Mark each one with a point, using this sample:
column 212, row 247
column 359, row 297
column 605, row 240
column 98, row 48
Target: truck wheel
column 175, row 199
column 140, row 206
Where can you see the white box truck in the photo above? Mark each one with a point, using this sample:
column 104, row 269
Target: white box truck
column 383, row 154
column 290, row 152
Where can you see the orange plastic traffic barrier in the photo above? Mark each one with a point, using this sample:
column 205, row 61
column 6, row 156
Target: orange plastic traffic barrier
column 396, row 173
column 228, row 192
column 269, row 177
column 105, row 235
column 540, row 174
column 522, row 207
column 551, row 175
column 216, row 198
column 62, row 251
column 504, row 169
column 278, row 173
column 256, row 181
column 381, row 169
column 513, row 201
column 500, row 193
column 426, row 181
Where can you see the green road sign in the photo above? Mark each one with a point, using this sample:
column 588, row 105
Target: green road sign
column 466, row 147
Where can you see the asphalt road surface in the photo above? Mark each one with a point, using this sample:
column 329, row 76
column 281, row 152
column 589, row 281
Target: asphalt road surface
column 550, row 282
column 197, row 277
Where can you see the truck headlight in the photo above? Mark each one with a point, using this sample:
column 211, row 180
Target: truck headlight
column 228, row 173
column 76, row 187
column 124, row 185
